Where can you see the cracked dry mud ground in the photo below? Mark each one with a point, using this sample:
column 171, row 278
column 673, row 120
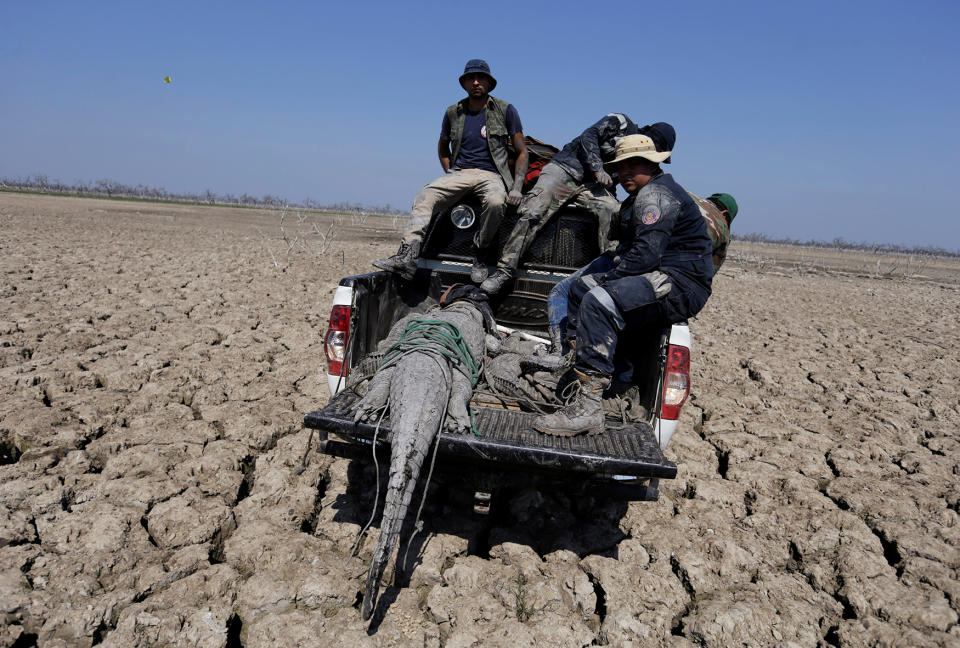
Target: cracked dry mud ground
column 155, row 368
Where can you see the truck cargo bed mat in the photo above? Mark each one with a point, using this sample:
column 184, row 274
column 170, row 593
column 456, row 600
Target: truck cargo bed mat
column 506, row 438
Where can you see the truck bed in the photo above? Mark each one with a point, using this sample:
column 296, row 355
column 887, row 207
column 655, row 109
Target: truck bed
column 507, row 441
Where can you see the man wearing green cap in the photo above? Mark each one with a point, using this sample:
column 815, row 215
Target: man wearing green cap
column 475, row 137
column 719, row 210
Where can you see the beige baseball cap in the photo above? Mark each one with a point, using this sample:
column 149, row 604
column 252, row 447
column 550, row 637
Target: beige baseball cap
column 632, row 146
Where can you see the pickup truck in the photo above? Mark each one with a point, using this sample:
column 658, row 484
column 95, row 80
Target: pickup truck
column 626, row 461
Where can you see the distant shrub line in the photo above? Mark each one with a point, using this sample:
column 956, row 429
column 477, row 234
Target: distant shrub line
column 112, row 189
column 841, row 244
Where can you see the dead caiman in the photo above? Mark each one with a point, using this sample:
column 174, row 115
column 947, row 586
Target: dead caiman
column 425, row 380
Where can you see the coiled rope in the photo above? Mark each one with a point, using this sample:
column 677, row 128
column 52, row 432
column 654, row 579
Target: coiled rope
column 437, row 338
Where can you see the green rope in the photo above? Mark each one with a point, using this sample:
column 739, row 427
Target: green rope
column 434, row 337
column 437, row 338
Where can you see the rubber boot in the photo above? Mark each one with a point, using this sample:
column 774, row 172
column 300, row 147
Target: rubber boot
column 404, row 262
column 583, row 415
column 494, row 283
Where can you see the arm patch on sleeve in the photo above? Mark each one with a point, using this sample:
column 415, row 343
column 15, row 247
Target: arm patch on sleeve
column 650, row 215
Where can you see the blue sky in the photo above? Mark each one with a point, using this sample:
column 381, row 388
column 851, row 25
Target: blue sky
column 823, row 119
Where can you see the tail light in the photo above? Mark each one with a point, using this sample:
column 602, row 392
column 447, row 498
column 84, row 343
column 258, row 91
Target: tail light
column 335, row 341
column 676, row 382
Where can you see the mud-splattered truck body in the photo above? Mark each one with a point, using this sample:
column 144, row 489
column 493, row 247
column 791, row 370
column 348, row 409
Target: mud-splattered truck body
column 626, row 460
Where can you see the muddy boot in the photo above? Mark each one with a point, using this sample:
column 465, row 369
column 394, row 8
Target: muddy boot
column 404, row 262
column 494, row 283
column 478, row 271
column 583, row 415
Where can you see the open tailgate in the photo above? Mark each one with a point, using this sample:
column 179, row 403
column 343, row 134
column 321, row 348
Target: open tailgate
column 507, row 441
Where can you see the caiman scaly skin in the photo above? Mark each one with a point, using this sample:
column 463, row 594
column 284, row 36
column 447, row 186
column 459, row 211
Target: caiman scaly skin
column 418, row 390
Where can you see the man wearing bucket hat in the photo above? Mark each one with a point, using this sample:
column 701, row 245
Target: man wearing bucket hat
column 575, row 175
column 473, row 151
column 718, row 211
column 661, row 274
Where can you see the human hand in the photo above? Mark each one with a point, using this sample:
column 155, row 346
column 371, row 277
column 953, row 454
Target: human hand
column 660, row 282
column 513, row 198
column 603, row 178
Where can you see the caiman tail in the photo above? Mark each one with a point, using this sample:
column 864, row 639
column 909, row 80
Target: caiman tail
column 431, row 368
column 419, row 392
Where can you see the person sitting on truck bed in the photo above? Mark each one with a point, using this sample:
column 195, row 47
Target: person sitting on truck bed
column 718, row 210
column 662, row 274
column 563, row 179
column 479, row 128
column 664, row 138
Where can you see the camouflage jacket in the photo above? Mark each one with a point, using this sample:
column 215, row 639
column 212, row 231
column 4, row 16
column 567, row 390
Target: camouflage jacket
column 717, row 227
column 594, row 146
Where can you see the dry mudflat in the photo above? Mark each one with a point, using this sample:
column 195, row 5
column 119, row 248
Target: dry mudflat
column 156, row 362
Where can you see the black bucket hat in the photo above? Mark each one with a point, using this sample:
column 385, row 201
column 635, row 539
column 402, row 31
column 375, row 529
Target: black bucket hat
column 478, row 65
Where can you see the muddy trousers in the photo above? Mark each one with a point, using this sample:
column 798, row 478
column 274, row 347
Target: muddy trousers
column 601, row 312
column 598, row 321
column 554, row 188
column 447, row 190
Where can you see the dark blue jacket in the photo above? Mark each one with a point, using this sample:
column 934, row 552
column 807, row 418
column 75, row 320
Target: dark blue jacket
column 661, row 228
column 594, row 146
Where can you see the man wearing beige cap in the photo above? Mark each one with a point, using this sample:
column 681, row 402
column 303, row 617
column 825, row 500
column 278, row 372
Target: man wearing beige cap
column 664, row 138
column 661, row 274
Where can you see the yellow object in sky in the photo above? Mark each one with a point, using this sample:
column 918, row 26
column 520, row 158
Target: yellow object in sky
column 166, row 79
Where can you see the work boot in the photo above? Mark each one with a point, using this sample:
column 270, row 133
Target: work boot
column 495, row 282
column 625, row 404
column 404, row 262
column 583, row 414
column 478, row 271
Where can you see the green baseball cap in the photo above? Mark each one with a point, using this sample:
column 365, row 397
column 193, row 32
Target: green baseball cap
column 728, row 203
